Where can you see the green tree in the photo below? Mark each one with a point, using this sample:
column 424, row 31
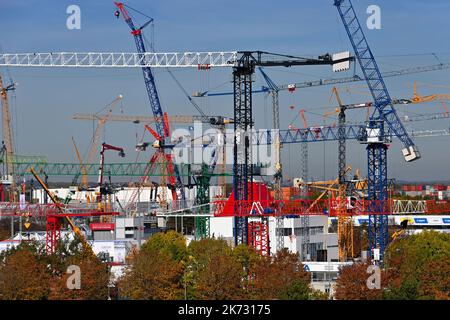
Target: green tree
column 213, row 272
column 418, row 267
column 171, row 242
column 204, row 249
column 297, row 290
column 247, row 258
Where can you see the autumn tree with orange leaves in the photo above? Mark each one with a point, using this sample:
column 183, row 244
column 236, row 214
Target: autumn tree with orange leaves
column 352, row 283
column 27, row 272
column 94, row 276
column 23, row 275
column 155, row 271
column 220, row 279
column 280, row 277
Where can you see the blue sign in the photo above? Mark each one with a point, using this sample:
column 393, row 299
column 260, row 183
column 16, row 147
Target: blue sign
column 420, row 220
column 361, row 221
column 446, row 220
column 306, row 267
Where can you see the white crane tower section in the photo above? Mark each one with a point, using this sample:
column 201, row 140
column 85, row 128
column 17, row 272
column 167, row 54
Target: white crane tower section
column 120, row 60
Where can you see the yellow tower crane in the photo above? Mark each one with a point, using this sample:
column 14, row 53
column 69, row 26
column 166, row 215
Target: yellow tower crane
column 72, row 225
column 7, row 136
column 433, row 97
column 345, row 223
column 101, row 121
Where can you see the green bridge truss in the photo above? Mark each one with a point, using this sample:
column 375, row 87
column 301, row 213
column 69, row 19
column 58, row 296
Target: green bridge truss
column 112, row 169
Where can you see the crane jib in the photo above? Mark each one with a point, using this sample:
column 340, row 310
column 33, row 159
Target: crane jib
column 374, row 79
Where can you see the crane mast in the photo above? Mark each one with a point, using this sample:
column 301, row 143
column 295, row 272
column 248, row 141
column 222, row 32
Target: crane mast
column 305, row 220
column 278, row 175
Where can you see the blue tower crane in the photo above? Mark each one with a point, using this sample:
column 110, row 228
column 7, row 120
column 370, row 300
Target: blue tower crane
column 147, row 71
column 161, row 127
column 384, row 114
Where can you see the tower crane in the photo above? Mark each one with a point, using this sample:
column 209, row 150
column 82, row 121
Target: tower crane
column 278, row 175
column 103, row 189
column 8, row 145
column 243, row 64
column 243, row 122
column 54, row 224
column 161, row 129
column 305, row 220
column 441, row 97
column 384, row 114
column 96, row 139
column 345, row 224
column 335, row 81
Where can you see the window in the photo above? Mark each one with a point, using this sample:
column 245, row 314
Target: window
column 316, row 230
column 313, row 249
column 312, row 231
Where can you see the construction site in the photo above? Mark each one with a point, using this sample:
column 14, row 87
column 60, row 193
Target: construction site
column 272, row 149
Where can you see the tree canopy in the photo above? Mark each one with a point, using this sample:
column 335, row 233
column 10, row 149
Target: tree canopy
column 415, row 267
column 164, row 268
column 28, row 273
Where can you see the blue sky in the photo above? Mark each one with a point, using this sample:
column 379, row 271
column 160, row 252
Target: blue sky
column 46, row 99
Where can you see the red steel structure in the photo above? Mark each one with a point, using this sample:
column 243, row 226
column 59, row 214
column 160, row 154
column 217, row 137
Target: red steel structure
column 302, row 207
column 53, row 213
column 168, row 176
column 54, row 223
column 258, row 237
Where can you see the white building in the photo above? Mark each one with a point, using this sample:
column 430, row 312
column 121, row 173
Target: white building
column 319, row 238
column 324, row 275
